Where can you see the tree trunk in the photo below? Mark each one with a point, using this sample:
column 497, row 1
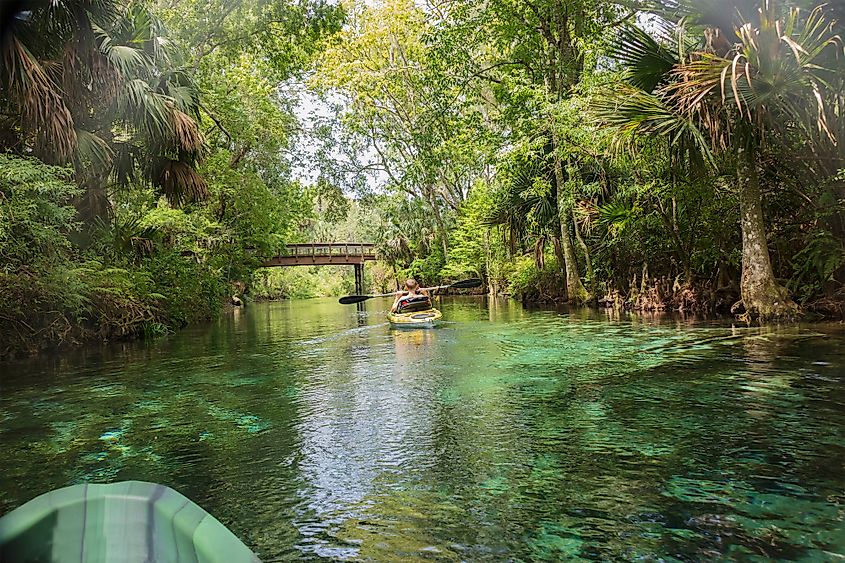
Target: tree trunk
column 591, row 274
column 670, row 222
column 540, row 253
column 488, row 275
column 761, row 293
column 558, row 252
column 575, row 290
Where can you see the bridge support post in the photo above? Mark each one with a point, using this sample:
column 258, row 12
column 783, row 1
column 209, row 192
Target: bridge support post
column 359, row 279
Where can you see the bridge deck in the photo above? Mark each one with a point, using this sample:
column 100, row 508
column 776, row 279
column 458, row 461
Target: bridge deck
column 324, row 254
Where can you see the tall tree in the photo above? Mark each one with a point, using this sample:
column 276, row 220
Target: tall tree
column 421, row 130
column 533, row 54
column 248, row 59
column 756, row 80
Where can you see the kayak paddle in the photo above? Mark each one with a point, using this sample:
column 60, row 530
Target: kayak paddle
column 463, row 284
column 349, row 299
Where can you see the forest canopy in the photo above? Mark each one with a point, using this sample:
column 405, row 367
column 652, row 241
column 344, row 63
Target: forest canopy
column 664, row 155
column 652, row 155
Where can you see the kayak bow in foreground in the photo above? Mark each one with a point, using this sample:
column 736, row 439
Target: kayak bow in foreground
column 127, row 521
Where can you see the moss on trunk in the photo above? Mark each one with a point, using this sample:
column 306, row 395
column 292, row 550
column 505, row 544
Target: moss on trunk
column 575, row 290
column 761, row 294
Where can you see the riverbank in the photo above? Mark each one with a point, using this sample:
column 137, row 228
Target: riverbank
column 667, row 295
column 87, row 302
column 43, row 327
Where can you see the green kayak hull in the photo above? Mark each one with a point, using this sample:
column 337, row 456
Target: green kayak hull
column 127, row 521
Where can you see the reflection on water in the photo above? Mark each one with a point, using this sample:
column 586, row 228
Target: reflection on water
column 315, row 432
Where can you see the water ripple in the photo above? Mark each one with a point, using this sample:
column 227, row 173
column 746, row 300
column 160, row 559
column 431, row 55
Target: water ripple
column 316, row 432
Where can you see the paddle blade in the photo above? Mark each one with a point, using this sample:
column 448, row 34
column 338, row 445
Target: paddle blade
column 465, row 284
column 350, row 299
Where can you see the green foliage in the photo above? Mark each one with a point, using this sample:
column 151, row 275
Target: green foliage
column 600, row 149
column 104, row 91
column 51, row 296
column 35, row 214
column 191, row 291
column 426, row 270
column 285, row 34
column 180, row 142
column 470, row 251
column 420, row 137
column 542, row 146
column 303, row 282
column 526, row 281
column 404, row 230
column 815, row 265
column 524, row 201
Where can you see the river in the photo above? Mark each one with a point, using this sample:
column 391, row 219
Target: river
column 315, row 432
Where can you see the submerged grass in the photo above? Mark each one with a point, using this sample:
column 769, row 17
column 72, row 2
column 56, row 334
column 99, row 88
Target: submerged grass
column 506, row 434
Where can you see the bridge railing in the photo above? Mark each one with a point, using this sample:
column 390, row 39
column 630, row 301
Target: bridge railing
column 331, row 249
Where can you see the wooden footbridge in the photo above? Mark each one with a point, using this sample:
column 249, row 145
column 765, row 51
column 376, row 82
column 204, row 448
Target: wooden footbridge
column 328, row 254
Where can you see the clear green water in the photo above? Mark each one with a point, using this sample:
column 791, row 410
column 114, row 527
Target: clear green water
column 316, row 432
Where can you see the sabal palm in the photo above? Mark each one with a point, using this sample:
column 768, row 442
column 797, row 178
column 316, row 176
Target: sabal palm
column 729, row 96
column 643, row 105
column 408, row 231
column 767, row 86
column 769, row 80
column 525, row 206
column 91, row 82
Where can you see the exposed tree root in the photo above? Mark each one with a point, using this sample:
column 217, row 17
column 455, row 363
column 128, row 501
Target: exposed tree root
column 770, row 302
column 828, row 307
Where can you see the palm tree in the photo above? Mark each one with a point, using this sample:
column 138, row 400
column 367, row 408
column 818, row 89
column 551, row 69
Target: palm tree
column 407, row 232
column 526, row 207
column 737, row 90
column 93, row 83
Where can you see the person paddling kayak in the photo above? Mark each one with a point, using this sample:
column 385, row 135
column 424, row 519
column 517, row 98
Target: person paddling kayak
column 412, row 292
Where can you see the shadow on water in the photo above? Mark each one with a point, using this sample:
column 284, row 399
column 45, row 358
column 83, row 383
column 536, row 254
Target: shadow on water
column 316, row 432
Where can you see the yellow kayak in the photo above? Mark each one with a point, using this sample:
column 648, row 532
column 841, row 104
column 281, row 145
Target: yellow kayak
column 416, row 319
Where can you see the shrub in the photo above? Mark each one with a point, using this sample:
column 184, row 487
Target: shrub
column 527, row 282
column 35, row 214
column 193, row 291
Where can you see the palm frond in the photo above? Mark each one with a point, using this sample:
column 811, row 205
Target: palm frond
column 616, row 215
column 184, row 93
column 633, row 111
column 586, row 213
column 702, row 77
column 126, row 163
column 720, row 15
column 648, row 63
column 127, row 59
column 39, row 100
column 142, row 28
column 179, row 182
column 186, row 133
column 145, row 110
column 773, row 77
column 92, row 152
column 784, row 70
column 93, row 203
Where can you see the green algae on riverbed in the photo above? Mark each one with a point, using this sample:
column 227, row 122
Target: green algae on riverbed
column 315, row 432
